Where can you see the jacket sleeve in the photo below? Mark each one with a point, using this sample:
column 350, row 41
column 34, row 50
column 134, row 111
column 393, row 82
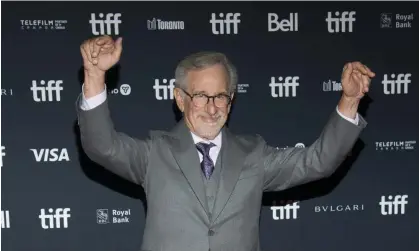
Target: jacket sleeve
column 286, row 168
column 115, row 151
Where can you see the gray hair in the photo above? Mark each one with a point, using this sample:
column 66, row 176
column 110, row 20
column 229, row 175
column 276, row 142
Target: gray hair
column 202, row 60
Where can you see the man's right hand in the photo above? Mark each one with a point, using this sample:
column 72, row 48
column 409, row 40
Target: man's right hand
column 99, row 54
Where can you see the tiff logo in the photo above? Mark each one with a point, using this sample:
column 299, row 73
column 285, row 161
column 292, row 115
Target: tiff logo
column 394, row 86
column 5, row 219
column 111, row 20
column 48, row 93
column 50, row 155
column 284, row 89
column 54, row 218
column 286, row 212
column 290, row 24
column 3, row 153
column 224, row 25
column 336, row 24
column 393, row 205
column 164, row 91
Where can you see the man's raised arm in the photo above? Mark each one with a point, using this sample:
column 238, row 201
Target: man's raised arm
column 116, row 151
column 295, row 166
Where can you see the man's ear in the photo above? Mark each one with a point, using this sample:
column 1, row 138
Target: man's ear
column 179, row 99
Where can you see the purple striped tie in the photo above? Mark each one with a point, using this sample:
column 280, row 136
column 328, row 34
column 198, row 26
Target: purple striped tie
column 207, row 165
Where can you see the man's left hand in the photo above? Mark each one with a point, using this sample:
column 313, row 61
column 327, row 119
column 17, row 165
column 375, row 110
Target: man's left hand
column 356, row 79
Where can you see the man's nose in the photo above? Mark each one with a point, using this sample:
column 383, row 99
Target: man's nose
column 211, row 108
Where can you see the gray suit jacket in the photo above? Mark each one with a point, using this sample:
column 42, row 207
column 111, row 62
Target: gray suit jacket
column 166, row 165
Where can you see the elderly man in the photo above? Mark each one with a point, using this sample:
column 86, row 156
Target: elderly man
column 203, row 183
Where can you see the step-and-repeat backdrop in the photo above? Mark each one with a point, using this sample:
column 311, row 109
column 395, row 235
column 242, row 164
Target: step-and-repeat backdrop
column 289, row 58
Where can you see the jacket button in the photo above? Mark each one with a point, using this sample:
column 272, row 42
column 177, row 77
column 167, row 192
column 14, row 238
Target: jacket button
column 211, row 232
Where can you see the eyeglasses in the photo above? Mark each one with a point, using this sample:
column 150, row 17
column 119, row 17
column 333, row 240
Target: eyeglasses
column 200, row 100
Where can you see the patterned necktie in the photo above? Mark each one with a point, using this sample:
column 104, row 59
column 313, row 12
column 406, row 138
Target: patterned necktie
column 207, row 165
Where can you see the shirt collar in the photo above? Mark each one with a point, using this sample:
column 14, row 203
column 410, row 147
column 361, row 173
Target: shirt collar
column 216, row 140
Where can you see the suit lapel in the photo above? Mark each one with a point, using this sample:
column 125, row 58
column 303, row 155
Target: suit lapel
column 187, row 158
column 232, row 159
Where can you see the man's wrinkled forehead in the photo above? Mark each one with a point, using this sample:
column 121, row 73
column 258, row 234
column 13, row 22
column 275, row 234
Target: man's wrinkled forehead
column 209, row 81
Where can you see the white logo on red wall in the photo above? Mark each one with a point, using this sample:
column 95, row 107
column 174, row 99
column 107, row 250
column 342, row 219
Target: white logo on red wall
column 47, row 91
column 402, row 21
column 39, row 25
column 124, row 90
column 286, row 210
column 163, row 88
column 225, row 23
column 286, row 24
column 396, row 84
column 54, row 218
column 284, row 87
column 116, row 217
column 50, row 154
column 5, row 219
column 105, row 24
column 158, row 24
column 338, row 22
column 393, row 205
column 406, row 145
